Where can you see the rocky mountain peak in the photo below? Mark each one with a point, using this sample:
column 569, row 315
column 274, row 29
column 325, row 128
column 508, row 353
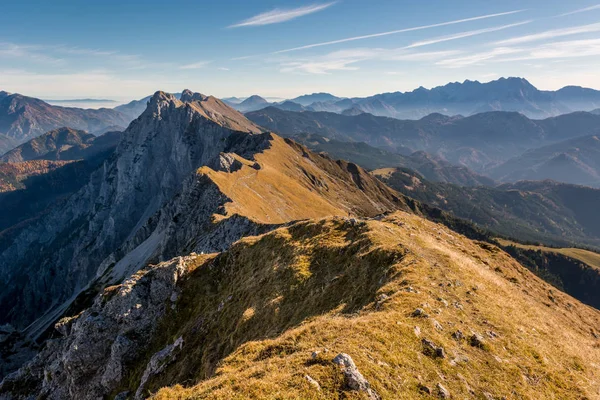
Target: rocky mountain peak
column 188, row 96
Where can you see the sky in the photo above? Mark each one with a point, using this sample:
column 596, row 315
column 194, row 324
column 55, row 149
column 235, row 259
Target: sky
column 125, row 50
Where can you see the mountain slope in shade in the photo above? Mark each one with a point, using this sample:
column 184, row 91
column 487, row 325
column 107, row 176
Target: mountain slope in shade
column 289, row 106
column 47, row 170
column 7, row 143
column 309, row 99
column 23, row 118
column 432, row 168
column 188, row 175
column 477, row 142
column 405, row 305
column 13, row 175
column 575, row 160
column 55, row 142
column 547, row 212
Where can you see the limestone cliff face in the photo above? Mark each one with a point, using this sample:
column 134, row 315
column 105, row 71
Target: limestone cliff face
column 51, row 260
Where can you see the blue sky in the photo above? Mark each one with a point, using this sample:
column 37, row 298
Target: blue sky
column 124, row 50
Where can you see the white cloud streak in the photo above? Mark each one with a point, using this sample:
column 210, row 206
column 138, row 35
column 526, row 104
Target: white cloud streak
column 551, row 34
column 281, row 15
column 196, row 65
column 345, row 60
column 596, row 7
column 462, row 35
column 477, row 58
column 550, row 51
column 417, row 28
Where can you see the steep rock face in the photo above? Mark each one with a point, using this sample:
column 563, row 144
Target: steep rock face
column 92, row 358
column 53, row 258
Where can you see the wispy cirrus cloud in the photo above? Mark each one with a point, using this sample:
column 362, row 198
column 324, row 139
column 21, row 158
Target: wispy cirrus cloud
column 346, row 60
column 591, row 8
column 466, row 34
column 196, row 65
column 32, row 53
column 279, row 15
column 416, row 28
column 555, row 51
column 477, row 58
column 550, row 34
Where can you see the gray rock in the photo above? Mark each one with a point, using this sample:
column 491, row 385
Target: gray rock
column 157, row 364
column 354, row 380
column 432, row 350
column 442, row 391
column 122, row 396
column 419, row 312
column 417, row 331
column 476, row 340
column 312, row 382
column 458, row 335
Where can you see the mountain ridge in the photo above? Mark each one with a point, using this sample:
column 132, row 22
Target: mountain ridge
column 23, row 117
column 207, row 144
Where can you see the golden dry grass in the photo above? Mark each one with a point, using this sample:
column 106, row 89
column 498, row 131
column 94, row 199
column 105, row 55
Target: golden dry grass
column 290, row 185
column 585, row 256
column 313, row 287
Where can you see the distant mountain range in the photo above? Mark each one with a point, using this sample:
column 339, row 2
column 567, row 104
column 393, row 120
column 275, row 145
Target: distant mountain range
column 431, row 167
column 23, row 118
column 480, row 142
column 555, row 213
column 466, row 98
column 574, row 160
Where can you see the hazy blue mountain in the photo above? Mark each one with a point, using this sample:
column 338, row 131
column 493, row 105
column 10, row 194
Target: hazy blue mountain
column 464, row 98
column 432, row 168
column 289, row 106
column 574, row 160
column 541, row 211
column 252, row 103
column 23, row 118
column 309, row 99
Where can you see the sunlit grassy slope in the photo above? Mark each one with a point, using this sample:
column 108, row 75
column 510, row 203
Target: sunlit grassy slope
column 251, row 318
column 585, row 256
